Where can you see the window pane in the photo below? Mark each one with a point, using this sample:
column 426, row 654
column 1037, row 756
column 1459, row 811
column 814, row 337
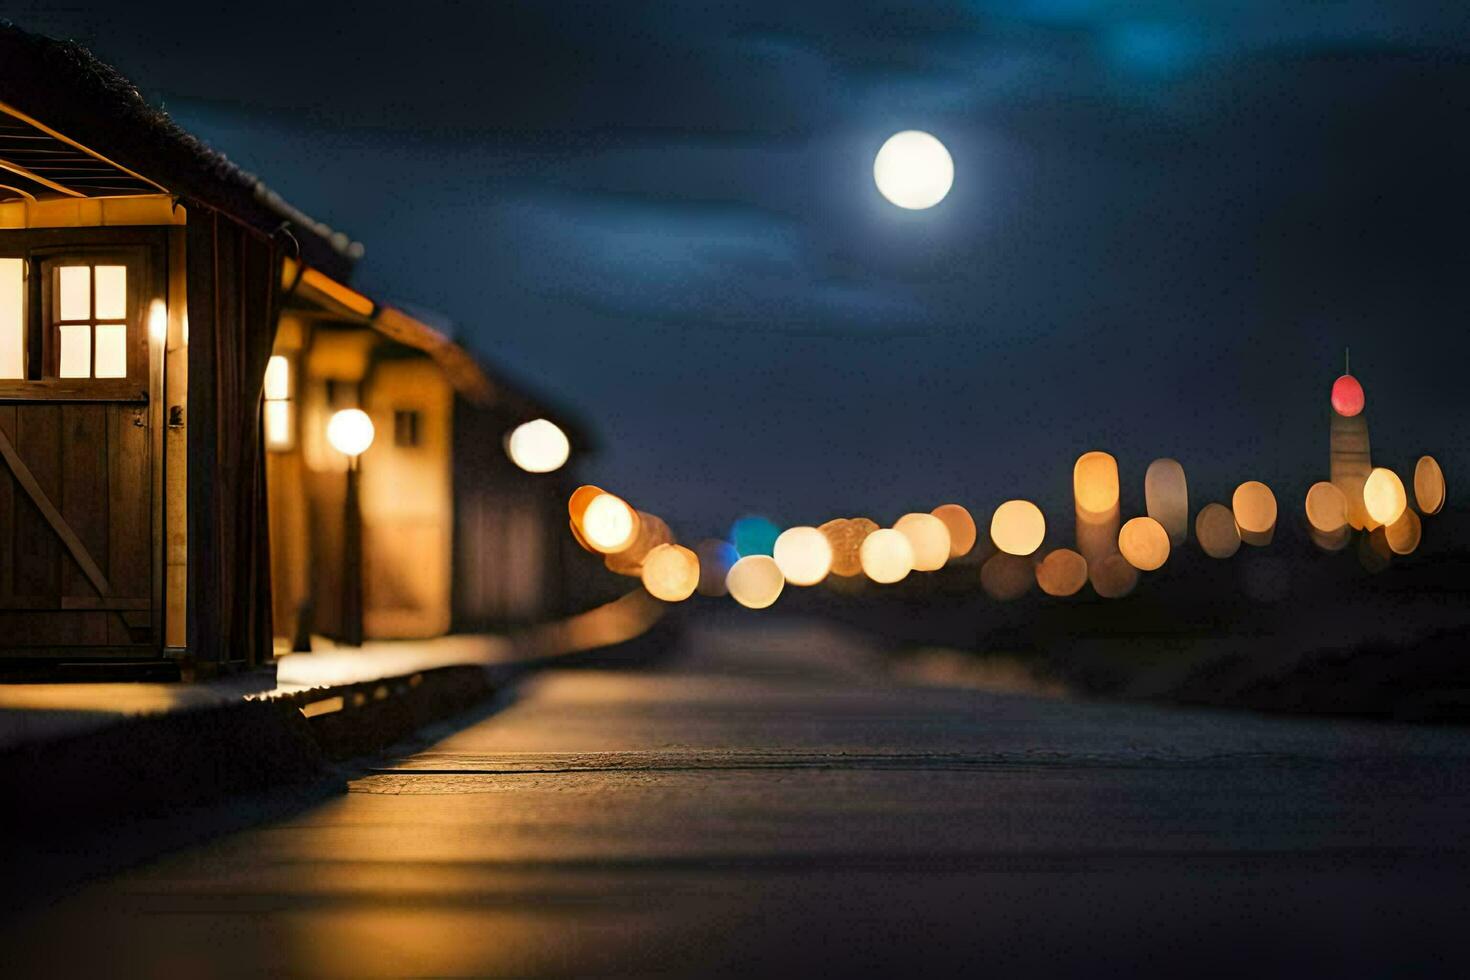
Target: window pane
column 278, row 425
column 112, row 292
column 76, row 292
column 12, row 319
column 76, row 350
column 277, row 379
column 112, row 350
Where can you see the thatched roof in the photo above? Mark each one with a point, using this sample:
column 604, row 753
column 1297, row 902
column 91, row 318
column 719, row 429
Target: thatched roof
column 63, row 86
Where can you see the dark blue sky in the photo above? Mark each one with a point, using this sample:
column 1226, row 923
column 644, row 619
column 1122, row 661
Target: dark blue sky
column 1168, row 219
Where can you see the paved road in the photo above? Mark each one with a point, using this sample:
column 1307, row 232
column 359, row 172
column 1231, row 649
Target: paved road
column 771, row 803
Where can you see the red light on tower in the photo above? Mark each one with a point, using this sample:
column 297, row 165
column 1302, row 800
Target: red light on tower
column 1347, row 396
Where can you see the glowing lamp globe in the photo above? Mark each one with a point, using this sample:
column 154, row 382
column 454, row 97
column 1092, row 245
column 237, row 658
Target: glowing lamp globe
column 670, row 573
column 913, row 170
column 1347, row 396
column 1017, row 527
column 609, row 524
column 538, row 446
column 350, row 432
column 929, row 539
column 1254, row 506
column 1384, row 496
column 1144, row 543
column 887, row 556
column 755, row 581
column 803, row 554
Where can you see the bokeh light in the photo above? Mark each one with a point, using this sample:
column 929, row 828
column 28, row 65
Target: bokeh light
column 886, row 556
column 1144, row 543
column 1347, row 396
column 913, row 170
column 1062, row 572
column 1254, row 506
column 754, row 535
column 1005, row 577
column 577, row 508
column 929, row 539
column 1166, row 498
column 1018, row 527
column 1326, row 508
column 1216, row 531
column 1113, row 577
column 1384, row 496
column 961, row 527
column 846, row 535
column 1350, row 463
column 670, row 572
column 1403, row 534
column 1095, row 483
column 755, row 581
column 803, row 554
column 538, row 446
column 1429, row 490
column 652, row 532
column 609, row 524
column 716, row 558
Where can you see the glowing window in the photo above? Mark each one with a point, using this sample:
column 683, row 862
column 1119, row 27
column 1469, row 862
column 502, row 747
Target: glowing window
column 280, row 411
column 91, row 321
column 12, row 319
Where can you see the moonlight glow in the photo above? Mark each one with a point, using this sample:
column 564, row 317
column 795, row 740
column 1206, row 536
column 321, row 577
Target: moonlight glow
column 913, row 170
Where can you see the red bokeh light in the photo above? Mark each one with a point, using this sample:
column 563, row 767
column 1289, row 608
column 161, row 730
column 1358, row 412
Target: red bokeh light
column 1347, row 396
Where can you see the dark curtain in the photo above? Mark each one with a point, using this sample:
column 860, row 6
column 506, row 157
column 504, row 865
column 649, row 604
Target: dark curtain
column 234, row 275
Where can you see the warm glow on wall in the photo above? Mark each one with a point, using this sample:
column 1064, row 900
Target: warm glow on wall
column 1347, row 396
column 350, row 432
column 1113, row 577
column 929, row 539
column 1429, row 490
column 846, row 535
column 961, row 527
column 1062, row 572
column 1254, row 506
column 1018, row 527
column 1166, row 496
column 1144, row 543
column 609, row 524
column 803, row 554
column 1216, row 531
column 755, row 581
column 538, row 446
column 670, row 572
column 1403, row 534
column 158, row 321
column 12, row 318
column 1095, row 483
column 1005, row 577
column 1326, row 508
column 886, row 556
column 1384, row 496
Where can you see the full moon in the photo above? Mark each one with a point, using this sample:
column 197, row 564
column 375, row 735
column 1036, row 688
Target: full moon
column 913, row 170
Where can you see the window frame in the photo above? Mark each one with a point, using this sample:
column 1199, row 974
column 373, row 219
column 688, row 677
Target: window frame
column 137, row 331
column 147, row 246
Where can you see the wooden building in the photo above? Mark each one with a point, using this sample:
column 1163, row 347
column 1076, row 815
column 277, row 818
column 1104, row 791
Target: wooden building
column 143, row 279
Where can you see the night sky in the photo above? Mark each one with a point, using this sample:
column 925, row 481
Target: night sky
column 1168, row 220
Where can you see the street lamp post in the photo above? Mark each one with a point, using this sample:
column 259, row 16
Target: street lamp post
column 350, row 432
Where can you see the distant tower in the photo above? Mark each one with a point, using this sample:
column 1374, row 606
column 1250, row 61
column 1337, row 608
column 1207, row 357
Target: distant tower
column 1349, row 458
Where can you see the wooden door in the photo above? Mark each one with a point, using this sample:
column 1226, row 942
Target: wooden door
column 79, row 557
